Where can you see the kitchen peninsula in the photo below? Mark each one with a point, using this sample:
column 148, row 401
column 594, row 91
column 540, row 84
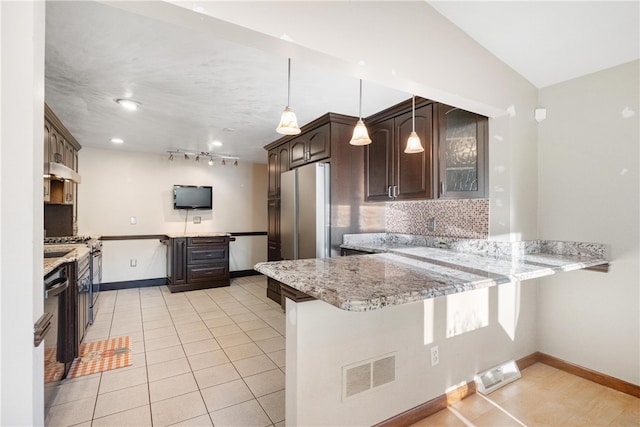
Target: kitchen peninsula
column 364, row 343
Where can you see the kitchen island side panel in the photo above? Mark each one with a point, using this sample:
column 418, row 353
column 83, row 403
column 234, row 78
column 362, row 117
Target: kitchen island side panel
column 322, row 340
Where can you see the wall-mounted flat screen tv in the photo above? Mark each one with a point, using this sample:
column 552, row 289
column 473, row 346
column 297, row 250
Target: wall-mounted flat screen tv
column 191, row 197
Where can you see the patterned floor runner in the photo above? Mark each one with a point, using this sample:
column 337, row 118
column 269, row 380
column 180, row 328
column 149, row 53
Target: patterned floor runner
column 100, row 356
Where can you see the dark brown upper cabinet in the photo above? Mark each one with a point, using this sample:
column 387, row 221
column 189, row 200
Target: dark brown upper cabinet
column 311, row 146
column 461, row 161
column 390, row 173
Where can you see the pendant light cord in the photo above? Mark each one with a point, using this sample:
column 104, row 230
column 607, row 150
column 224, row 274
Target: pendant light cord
column 289, row 83
column 413, row 113
column 360, row 104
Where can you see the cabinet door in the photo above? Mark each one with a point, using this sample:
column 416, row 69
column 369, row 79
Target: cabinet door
column 413, row 171
column 178, row 261
column 462, row 153
column 319, row 143
column 298, row 151
column 273, row 230
column 273, row 174
column 378, row 162
column 56, row 146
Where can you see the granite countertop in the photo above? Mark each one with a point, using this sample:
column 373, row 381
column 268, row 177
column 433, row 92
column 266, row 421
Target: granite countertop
column 408, row 268
column 76, row 252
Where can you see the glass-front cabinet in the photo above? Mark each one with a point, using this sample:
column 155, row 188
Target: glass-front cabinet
column 462, row 149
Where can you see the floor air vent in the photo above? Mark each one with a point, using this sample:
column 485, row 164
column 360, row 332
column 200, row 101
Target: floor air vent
column 496, row 377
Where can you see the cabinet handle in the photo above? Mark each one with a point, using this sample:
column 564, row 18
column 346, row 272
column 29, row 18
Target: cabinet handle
column 441, row 188
column 307, row 155
column 389, row 192
column 395, row 191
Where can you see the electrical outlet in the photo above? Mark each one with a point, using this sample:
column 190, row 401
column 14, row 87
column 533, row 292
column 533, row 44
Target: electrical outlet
column 197, row 219
column 431, row 224
column 435, row 356
column 133, row 262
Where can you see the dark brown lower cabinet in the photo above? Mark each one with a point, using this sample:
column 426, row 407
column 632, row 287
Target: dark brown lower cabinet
column 197, row 263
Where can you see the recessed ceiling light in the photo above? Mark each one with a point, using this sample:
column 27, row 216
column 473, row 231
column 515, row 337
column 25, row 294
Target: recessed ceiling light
column 128, row 104
column 216, row 144
column 286, row 37
column 117, row 140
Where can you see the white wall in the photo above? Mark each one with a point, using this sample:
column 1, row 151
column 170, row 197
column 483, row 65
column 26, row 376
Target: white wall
column 21, row 214
column 589, row 190
column 473, row 331
column 118, row 185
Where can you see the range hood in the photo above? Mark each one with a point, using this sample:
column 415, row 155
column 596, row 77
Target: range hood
column 62, row 172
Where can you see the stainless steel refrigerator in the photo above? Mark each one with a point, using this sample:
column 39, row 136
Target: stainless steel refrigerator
column 304, row 212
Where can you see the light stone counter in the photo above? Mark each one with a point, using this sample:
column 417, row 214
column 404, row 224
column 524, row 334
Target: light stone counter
column 406, row 269
column 197, row 234
column 77, row 251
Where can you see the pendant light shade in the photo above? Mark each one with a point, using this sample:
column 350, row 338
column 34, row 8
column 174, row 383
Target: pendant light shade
column 288, row 121
column 360, row 134
column 413, row 142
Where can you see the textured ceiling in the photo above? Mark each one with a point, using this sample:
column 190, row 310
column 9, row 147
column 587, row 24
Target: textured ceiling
column 197, row 88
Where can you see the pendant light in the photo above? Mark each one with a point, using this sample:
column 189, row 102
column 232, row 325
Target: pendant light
column 288, row 122
column 360, row 134
column 413, row 143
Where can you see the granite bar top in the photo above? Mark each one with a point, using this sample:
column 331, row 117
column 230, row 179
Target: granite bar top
column 404, row 269
column 76, row 252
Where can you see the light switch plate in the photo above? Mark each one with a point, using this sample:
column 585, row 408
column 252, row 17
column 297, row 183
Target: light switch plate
column 197, row 219
column 133, row 220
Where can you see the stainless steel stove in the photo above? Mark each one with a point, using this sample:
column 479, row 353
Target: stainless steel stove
column 95, row 246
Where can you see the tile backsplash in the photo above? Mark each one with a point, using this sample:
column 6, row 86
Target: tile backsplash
column 465, row 218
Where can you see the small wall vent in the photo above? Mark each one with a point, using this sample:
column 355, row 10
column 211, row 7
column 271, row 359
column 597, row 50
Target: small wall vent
column 368, row 374
column 496, row 377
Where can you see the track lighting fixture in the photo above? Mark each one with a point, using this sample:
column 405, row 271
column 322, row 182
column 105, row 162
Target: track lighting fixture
column 196, row 156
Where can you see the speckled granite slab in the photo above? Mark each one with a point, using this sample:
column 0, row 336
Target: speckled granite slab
column 76, row 252
column 410, row 272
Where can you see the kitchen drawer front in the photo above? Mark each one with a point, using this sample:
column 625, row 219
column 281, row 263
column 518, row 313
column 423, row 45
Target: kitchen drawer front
column 199, row 241
column 207, row 273
column 197, row 255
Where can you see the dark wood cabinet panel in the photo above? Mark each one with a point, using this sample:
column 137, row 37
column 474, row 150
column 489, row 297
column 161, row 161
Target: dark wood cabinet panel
column 198, row 263
column 311, row 146
column 390, row 173
column 273, row 230
column 379, row 162
column 461, row 160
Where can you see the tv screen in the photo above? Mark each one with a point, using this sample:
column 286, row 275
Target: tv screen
column 191, row 197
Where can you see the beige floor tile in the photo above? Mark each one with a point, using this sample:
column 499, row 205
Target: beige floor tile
column 238, row 318
column 271, row 344
column 225, row 395
column 164, row 354
column 263, row 333
column 213, row 314
column 178, row 409
column 172, row 387
column 207, row 360
column 193, row 336
column 278, row 357
column 201, row 421
column 243, row 351
column 495, row 417
column 163, row 322
column 273, row 405
column 219, row 321
column 168, row 369
column 255, row 308
column 254, row 365
column 280, row 424
column 156, row 313
column 265, row 382
column 216, row 375
column 248, row 413
column 220, row 331
column 444, row 418
column 164, row 342
column 121, row 379
column 186, row 318
column 121, row 400
column 77, row 390
column 135, row 417
column 240, row 309
column 198, row 325
column 203, row 346
column 233, row 340
column 166, row 331
column 67, row 414
column 252, row 325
